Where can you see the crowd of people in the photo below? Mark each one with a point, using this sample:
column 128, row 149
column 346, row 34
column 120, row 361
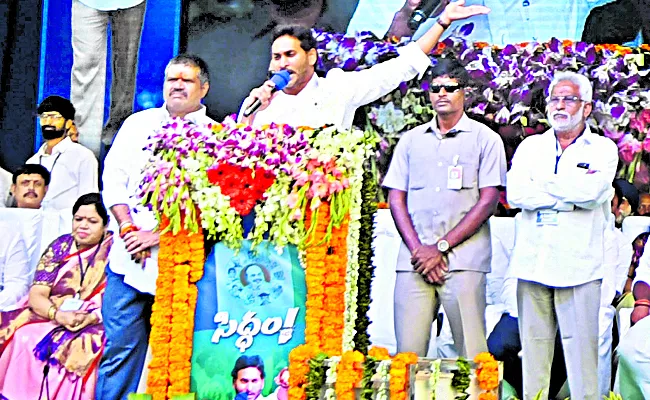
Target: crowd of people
column 78, row 319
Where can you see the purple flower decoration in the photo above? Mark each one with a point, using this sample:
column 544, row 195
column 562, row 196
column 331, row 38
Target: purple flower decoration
column 617, row 112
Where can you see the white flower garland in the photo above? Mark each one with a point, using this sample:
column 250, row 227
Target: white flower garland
column 434, row 377
column 383, row 371
column 330, row 378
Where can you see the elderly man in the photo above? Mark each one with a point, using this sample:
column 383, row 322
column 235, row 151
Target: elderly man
column 131, row 279
column 562, row 181
column 444, row 182
column 74, row 168
column 308, row 100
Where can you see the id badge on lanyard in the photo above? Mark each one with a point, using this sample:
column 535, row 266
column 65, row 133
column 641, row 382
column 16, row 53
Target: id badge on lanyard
column 71, row 304
column 455, row 175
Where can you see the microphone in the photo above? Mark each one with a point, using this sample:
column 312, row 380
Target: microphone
column 280, row 79
column 424, row 11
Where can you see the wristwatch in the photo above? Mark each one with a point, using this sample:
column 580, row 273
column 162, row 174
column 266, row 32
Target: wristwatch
column 443, row 246
column 442, row 23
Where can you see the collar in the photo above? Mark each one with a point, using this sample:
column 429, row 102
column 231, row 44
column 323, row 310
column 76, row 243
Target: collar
column 464, row 124
column 311, row 85
column 60, row 147
column 196, row 116
column 587, row 135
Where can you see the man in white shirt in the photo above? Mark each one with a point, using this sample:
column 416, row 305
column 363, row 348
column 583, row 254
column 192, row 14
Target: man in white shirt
column 309, row 100
column 73, row 168
column 5, row 184
column 90, row 20
column 30, row 184
column 562, row 181
column 504, row 342
column 15, row 272
column 633, row 374
column 131, row 280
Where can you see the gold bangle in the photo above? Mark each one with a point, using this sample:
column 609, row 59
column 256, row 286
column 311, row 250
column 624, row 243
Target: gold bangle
column 51, row 312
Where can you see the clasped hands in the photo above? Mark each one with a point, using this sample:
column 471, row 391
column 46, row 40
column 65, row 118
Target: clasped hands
column 429, row 262
column 75, row 320
column 138, row 244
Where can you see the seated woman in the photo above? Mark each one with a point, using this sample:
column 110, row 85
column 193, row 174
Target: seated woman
column 51, row 346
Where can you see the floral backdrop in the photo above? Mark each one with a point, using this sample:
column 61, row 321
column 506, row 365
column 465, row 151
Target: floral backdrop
column 509, row 89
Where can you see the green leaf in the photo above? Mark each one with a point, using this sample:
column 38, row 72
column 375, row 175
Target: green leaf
column 188, row 396
column 140, row 396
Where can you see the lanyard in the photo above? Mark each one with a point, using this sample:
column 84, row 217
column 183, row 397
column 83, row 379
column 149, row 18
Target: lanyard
column 91, row 261
column 559, row 151
column 40, row 161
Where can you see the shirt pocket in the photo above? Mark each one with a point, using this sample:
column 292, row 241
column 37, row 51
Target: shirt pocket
column 418, row 170
column 470, row 174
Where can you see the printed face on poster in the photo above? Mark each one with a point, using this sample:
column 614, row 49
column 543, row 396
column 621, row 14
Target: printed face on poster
column 257, row 310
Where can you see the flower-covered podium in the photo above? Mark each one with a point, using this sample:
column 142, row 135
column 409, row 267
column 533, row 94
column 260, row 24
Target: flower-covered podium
column 290, row 210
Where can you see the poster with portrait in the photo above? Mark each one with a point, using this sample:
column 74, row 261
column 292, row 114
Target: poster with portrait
column 250, row 315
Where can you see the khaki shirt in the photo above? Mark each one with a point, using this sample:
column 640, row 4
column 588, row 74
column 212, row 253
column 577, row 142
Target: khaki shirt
column 420, row 166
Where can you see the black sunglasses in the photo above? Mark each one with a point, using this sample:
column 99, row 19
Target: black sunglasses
column 448, row 88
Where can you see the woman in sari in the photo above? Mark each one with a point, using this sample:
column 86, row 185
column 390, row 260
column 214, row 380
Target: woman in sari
column 51, row 346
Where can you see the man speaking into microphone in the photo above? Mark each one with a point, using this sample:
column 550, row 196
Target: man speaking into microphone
column 308, row 100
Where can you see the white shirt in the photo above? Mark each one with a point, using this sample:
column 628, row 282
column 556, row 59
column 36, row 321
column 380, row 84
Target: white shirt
column 5, row 186
column 573, row 204
column 616, row 263
column 122, row 176
column 74, row 172
column 110, row 5
column 502, row 238
column 15, row 272
column 335, row 98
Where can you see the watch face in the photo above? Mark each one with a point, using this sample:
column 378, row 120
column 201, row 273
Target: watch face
column 443, row 246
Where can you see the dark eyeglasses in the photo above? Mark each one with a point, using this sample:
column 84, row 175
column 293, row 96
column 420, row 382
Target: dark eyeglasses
column 448, row 88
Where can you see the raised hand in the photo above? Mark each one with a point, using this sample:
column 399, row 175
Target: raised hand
column 456, row 10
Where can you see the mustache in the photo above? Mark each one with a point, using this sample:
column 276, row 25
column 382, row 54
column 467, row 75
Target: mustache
column 563, row 113
column 30, row 193
column 181, row 91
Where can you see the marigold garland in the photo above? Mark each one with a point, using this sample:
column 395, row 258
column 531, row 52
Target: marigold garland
column 325, row 280
column 399, row 375
column 159, row 339
column 180, row 264
column 299, row 369
column 349, row 373
column 380, row 353
column 487, row 375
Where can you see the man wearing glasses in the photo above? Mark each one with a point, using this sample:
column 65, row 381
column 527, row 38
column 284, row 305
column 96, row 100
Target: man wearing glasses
column 562, row 181
column 73, row 168
column 444, row 182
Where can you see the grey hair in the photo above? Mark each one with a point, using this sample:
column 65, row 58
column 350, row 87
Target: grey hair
column 586, row 90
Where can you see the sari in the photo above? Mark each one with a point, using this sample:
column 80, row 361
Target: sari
column 29, row 342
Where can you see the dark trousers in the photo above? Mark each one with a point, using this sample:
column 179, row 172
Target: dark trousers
column 126, row 313
column 504, row 344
